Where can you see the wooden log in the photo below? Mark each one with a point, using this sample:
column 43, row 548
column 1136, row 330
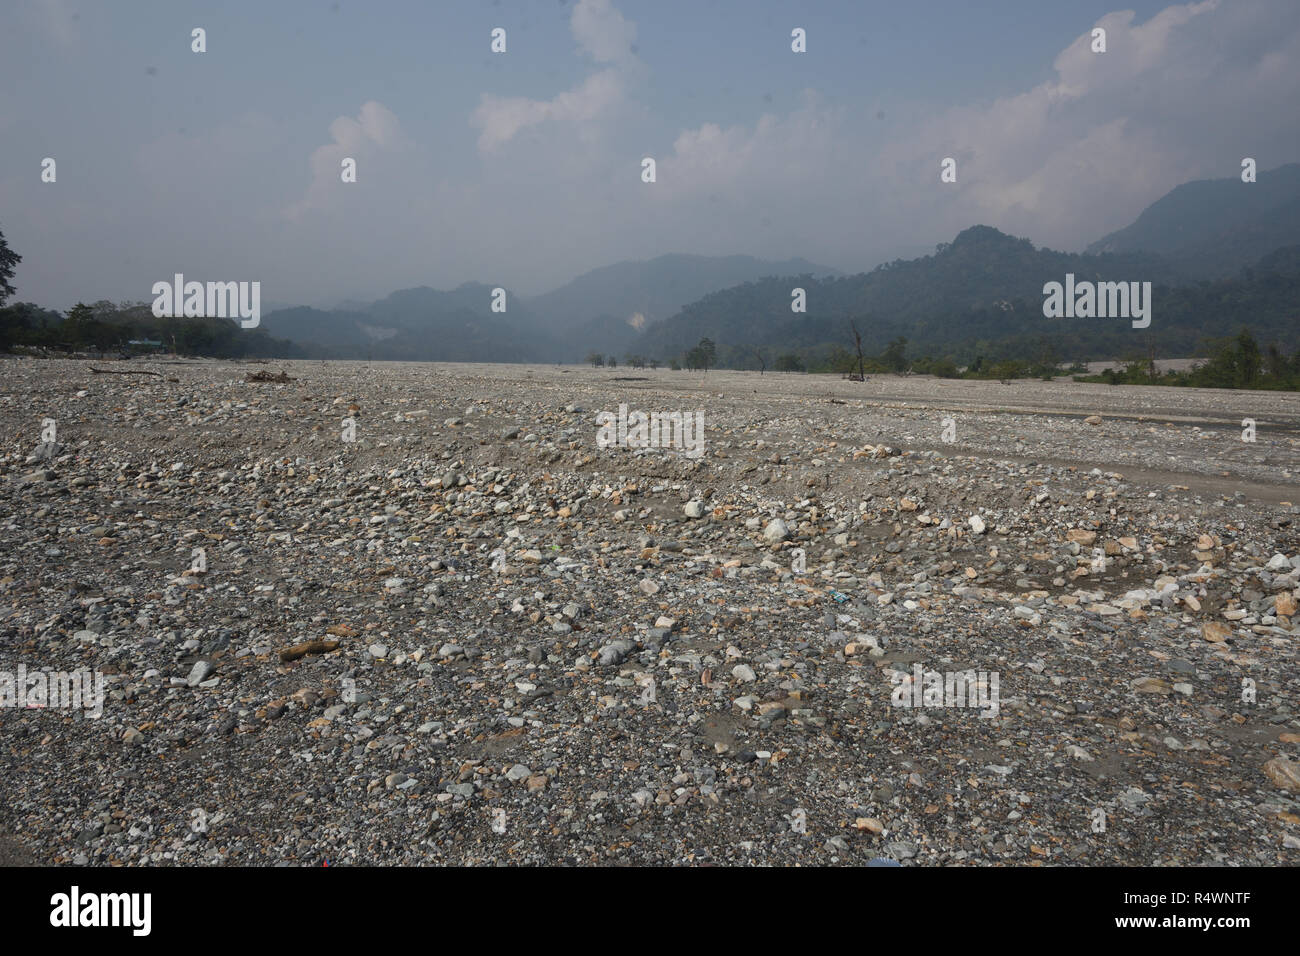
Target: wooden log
column 114, row 371
column 307, row 647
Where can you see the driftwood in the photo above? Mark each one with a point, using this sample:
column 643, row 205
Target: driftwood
column 115, row 371
column 310, row 647
column 281, row 378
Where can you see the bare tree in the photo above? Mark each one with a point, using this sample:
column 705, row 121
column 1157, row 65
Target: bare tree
column 857, row 342
column 762, row 362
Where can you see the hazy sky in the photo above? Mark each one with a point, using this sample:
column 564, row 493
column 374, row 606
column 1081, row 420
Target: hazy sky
column 523, row 169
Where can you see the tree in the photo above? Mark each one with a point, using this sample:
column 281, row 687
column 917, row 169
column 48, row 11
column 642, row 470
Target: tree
column 788, row 362
column 1007, row 370
column 857, row 342
column 839, row 359
column 708, row 352
column 944, row 368
column 1248, row 359
column 702, row 356
column 611, row 362
column 894, row 357
column 758, row 354
column 8, row 260
column 596, row 359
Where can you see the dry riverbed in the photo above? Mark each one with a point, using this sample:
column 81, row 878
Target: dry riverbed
column 539, row 650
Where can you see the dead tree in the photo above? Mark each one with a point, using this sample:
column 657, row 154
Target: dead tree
column 857, row 343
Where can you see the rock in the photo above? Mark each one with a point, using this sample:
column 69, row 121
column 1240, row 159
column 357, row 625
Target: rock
column 1216, row 632
column 694, row 509
column 743, row 673
column 378, row 650
column 200, row 672
column 870, row 824
column 776, row 531
column 1152, row 685
column 614, row 652
column 1283, row 773
column 977, row 524
column 1284, row 604
column 1093, row 420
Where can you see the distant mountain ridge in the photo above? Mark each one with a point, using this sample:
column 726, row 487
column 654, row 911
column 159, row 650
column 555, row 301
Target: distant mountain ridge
column 602, row 310
column 1212, row 228
column 655, row 288
column 982, row 295
column 979, row 294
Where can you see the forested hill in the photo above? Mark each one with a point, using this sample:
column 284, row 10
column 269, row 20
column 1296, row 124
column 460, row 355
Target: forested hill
column 980, row 294
column 1212, row 228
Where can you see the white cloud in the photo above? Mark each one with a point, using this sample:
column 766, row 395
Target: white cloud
column 603, row 32
column 1062, row 163
column 604, row 35
column 500, row 117
column 375, row 130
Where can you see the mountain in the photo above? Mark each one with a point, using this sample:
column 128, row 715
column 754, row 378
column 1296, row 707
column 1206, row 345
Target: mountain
column 1213, row 227
column 603, row 310
column 422, row 324
column 981, row 294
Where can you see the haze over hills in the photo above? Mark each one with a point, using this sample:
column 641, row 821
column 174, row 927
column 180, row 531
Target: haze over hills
column 602, row 310
column 420, row 324
column 606, row 309
column 655, row 289
column 1213, row 227
column 981, row 294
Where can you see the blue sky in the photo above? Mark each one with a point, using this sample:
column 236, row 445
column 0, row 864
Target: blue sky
column 523, row 169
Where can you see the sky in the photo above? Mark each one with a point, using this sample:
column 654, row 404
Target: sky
column 523, row 169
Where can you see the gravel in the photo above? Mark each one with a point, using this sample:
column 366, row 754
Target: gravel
column 646, row 678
